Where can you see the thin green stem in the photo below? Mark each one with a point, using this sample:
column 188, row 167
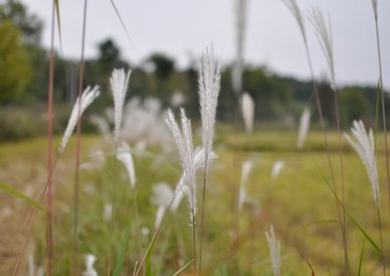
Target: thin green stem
column 203, row 207
column 379, row 216
column 49, row 229
column 78, row 149
column 382, row 93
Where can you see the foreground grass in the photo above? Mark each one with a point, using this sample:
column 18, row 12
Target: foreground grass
column 299, row 203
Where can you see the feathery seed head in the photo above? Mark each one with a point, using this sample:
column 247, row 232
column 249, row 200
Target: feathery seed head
column 295, row 10
column 277, row 169
column 248, row 111
column 162, row 195
column 274, row 248
column 323, row 29
column 303, row 127
column 89, row 262
column 209, row 79
column 181, row 188
column 123, row 154
column 183, row 138
column 119, row 82
column 364, row 145
column 245, row 172
column 81, row 104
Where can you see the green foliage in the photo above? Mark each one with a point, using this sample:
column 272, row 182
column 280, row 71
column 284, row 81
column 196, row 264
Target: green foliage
column 15, row 67
column 354, row 105
column 9, row 189
column 163, row 65
column 29, row 24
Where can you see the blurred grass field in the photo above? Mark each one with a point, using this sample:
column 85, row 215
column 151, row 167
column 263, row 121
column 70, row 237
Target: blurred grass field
column 299, row 203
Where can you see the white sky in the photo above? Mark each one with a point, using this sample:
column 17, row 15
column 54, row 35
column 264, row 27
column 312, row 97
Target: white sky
column 183, row 28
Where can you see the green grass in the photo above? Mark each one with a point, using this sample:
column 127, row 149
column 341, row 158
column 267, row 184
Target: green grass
column 299, row 203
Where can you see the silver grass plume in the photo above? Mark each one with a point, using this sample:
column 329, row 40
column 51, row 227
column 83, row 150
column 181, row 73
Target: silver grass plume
column 81, row 104
column 292, row 5
column 123, row 154
column 241, row 16
column 199, row 163
column 183, row 139
column 107, row 212
column 274, row 248
column 102, row 125
column 304, row 126
column 31, row 265
column 323, row 29
column 245, row 173
column 119, row 82
column 277, row 168
column 364, row 145
column 162, row 198
column 209, row 81
column 89, row 262
column 248, row 111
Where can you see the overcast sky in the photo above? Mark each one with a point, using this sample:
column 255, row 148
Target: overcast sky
column 182, row 28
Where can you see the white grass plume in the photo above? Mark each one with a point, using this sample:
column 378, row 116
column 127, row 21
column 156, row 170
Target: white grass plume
column 119, row 82
column 274, row 248
column 89, row 262
column 31, row 265
column 238, row 68
column 245, row 173
column 323, row 29
column 123, row 154
column 183, row 139
column 81, row 104
column 107, row 212
column 209, row 81
column 277, row 169
column 102, row 125
column 295, row 10
column 304, row 126
column 248, row 111
column 181, row 188
column 364, row 145
column 162, row 198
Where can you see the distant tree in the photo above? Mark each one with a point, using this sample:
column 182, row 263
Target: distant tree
column 109, row 55
column 15, row 67
column 98, row 71
column 29, row 24
column 164, row 66
column 354, row 105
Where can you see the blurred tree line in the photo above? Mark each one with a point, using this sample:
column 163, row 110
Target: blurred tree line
column 24, row 77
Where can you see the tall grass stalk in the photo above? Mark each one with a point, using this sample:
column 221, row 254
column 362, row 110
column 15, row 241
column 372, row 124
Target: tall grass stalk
column 274, row 248
column 241, row 18
column 50, row 148
column 364, row 145
column 381, row 92
column 297, row 13
column 209, row 86
column 324, row 34
column 183, row 139
column 75, row 265
column 294, row 8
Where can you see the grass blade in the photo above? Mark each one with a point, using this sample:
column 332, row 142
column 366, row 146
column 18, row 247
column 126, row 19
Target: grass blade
column 181, row 270
column 361, row 258
column 352, row 219
column 121, row 20
column 122, row 253
column 16, row 193
column 58, row 15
